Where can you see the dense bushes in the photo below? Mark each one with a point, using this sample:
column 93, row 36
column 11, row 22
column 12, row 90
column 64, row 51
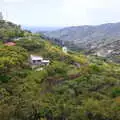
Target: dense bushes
column 11, row 58
column 8, row 31
column 116, row 92
column 31, row 45
column 85, row 98
column 57, row 68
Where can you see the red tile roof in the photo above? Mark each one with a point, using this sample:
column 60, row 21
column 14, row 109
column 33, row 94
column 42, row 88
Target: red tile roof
column 10, row 44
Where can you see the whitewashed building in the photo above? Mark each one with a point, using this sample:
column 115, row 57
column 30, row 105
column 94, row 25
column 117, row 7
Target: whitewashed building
column 38, row 60
column 65, row 50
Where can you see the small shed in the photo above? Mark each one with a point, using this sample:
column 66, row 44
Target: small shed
column 45, row 62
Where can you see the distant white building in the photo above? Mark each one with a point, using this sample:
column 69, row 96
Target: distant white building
column 65, row 50
column 38, row 60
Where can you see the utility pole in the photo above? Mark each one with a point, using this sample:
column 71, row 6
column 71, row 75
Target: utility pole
column 1, row 16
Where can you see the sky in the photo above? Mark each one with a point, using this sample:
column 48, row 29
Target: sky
column 61, row 12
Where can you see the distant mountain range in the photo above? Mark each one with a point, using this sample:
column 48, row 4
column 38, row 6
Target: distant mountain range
column 103, row 40
column 40, row 29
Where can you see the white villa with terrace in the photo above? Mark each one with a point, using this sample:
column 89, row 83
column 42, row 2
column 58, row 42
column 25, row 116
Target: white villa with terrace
column 38, row 60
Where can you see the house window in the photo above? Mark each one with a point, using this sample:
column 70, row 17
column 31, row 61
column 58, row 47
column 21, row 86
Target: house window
column 39, row 61
column 34, row 61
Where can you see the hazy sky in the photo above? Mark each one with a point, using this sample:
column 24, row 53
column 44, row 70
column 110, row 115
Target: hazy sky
column 61, row 12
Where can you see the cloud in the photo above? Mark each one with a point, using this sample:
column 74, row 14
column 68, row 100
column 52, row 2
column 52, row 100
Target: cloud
column 13, row 1
column 75, row 11
column 85, row 4
column 79, row 7
column 61, row 12
column 89, row 11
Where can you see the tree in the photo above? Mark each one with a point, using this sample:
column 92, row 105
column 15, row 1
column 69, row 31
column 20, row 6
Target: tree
column 30, row 45
column 11, row 58
column 8, row 31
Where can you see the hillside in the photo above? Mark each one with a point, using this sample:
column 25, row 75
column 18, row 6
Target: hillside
column 9, row 31
column 72, row 87
column 88, row 37
column 110, row 51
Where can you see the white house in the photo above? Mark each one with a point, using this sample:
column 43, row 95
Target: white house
column 64, row 49
column 38, row 60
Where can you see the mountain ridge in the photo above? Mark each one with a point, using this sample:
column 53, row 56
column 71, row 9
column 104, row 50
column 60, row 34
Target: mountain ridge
column 40, row 28
column 87, row 38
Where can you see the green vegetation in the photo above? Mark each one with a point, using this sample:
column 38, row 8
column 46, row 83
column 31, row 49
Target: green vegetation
column 72, row 87
column 11, row 59
column 8, row 31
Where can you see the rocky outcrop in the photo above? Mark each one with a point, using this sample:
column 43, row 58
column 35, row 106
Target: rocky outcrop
column 111, row 51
